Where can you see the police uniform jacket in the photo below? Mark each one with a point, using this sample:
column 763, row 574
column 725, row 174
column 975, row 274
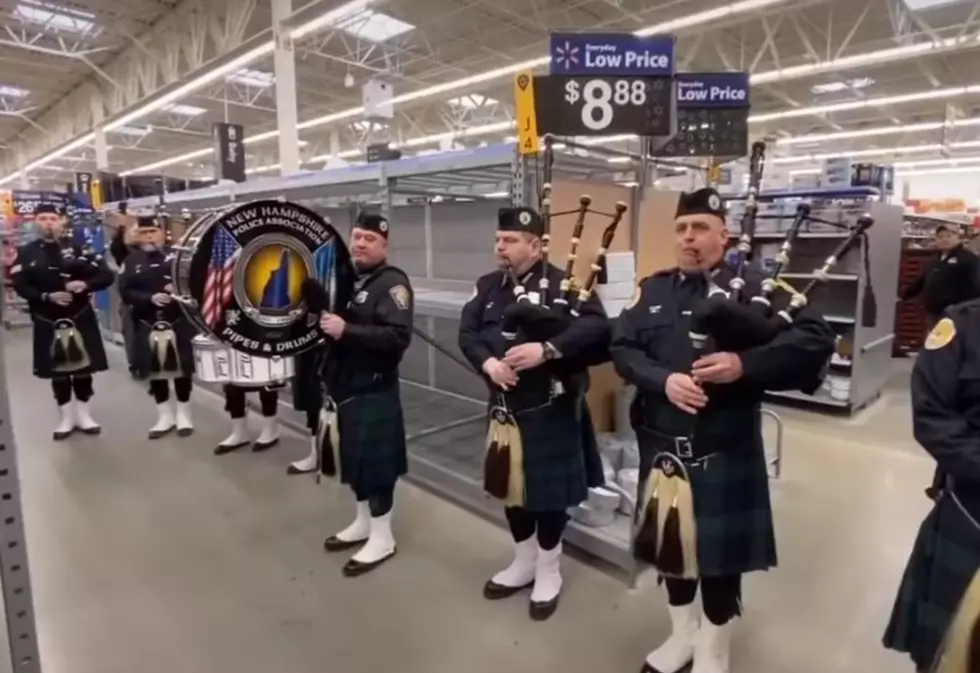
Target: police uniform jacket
column 41, row 268
column 723, row 443
column 951, row 278
column 147, row 272
column 946, row 422
column 560, row 452
column 361, row 376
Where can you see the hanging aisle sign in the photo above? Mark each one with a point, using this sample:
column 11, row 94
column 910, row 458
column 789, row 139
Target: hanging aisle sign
column 611, row 54
column 528, row 136
column 600, row 106
column 712, row 116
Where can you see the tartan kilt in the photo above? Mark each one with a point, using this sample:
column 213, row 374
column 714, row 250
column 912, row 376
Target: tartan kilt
column 554, row 454
column 944, row 560
column 373, row 450
column 733, row 513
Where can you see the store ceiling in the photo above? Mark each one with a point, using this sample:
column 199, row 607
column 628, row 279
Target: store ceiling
column 57, row 56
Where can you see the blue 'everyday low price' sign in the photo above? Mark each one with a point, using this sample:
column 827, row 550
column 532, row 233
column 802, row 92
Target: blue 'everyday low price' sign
column 713, row 89
column 582, row 54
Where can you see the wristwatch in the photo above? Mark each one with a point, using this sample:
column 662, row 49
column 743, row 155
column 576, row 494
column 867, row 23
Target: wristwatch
column 550, row 352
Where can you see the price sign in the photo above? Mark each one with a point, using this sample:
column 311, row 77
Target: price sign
column 599, row 106
column 26, row 202
column 712, row 116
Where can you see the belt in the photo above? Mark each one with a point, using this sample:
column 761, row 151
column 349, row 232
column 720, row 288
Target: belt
column 682, row 447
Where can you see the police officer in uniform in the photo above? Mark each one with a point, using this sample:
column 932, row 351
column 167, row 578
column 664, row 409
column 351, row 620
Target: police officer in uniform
column 952, row 277
column 945, row 560
column 544, row 385
column 57, row 278
column 706, row 412
column 163, row 336
column 370, row 338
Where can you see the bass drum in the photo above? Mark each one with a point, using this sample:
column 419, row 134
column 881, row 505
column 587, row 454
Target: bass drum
column 240, row 272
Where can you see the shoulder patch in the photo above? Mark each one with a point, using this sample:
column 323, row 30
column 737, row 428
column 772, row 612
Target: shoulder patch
column 941, row 335
column 399, row 294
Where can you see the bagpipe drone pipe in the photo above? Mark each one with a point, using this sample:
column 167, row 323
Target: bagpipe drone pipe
column 537, row 317
column 734, row 322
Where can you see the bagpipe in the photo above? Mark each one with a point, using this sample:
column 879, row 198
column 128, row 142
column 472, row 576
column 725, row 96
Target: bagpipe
column 736, row 323
column 536, row 317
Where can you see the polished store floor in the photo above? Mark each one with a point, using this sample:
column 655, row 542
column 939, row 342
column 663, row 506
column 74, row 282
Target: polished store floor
column 159, row 557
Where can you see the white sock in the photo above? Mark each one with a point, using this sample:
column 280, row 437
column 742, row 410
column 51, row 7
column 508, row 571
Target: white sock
column 677, row 651
column 269, row 430
column 239, row 433
column 165, row 418
column 84, row 416
column 184, row 421
column 308, row 463
column 521, row 570
column 360, row 528
column 547, row 575
column 381, row 542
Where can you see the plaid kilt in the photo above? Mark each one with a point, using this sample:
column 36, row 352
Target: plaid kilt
column 732, row 509
column 373, row 451
column 554, row 454
column 944, row 560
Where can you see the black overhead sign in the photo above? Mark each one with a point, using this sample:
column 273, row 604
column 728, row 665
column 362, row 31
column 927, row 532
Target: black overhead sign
column 712, row 116
column 603, row 105
column 229, row 152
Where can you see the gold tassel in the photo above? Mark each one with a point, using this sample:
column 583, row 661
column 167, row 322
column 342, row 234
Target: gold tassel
column 328, row 443
column 171, row 363
column 155, row 359
column 75, row 351
column 515, row 483
column 59, row 356
column 961, row 649
column 496, row 465
column 676, row 526
column 645, row 541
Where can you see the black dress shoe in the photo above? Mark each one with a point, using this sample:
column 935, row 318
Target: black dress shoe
column 334, row 544
column 355, row 568
column 185, row 432
column 222, row 449
column 495, row 592
column 157, row 434
column 264, row 446
column 542, row 611
column 292, row 469
column 91, row 432
column 62, row 436
column 647, row 668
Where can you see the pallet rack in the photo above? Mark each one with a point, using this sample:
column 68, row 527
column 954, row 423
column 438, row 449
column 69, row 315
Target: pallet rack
column 860, row 369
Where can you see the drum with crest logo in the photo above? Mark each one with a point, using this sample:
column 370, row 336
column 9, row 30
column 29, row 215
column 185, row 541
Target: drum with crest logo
column 239, row 273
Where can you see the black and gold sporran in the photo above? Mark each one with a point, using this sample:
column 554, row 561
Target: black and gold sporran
column 164, row 358
column 68, row 352
column 666, row 535
column 503, row 467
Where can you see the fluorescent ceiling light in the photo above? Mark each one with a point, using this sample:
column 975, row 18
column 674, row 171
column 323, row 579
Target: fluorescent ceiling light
column 882, row 101
column 137, row 131
column 939, row 171
column 806, row 171
column 368, row 126
column 832, row 87
column 187, row 156
column 472, row 101
column 925, row 5
column 949, row 161
column 13, row 91
column 879, row 131
column 619, row 160
column 183, row 110
column 496, row 195
column 908, row 149
column 346, row 11
column 374, row 26
column 257, row 78
column 56, row 16
column 263, row 169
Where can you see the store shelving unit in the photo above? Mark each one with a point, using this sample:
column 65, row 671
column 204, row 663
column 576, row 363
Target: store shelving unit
column 859, row 370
